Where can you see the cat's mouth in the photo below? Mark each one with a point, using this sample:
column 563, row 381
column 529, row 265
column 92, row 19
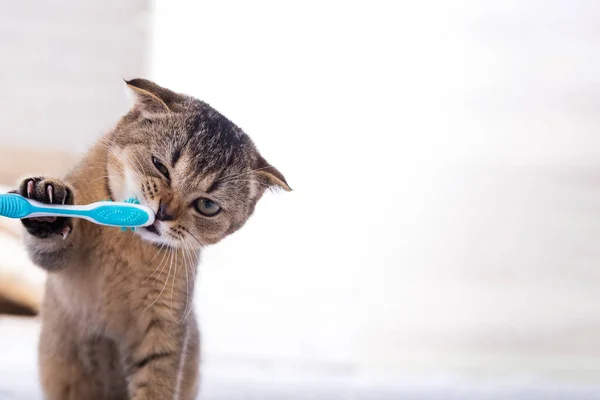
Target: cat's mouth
column 152, row 233
column 152, row 228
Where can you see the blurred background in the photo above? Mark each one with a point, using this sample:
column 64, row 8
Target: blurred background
column 441, row 239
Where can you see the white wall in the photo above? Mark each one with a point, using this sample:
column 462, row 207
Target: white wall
column 443, row 158
column 61, row 69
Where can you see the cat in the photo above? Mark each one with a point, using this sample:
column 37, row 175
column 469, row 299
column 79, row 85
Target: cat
column 117, row 316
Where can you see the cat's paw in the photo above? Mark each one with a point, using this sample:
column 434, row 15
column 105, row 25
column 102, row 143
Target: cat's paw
column 49, row 191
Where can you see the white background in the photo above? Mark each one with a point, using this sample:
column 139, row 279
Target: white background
column 443, row 159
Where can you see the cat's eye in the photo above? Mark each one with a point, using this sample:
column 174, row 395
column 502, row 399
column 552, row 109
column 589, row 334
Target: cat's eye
column 160, row 167
column 207, row 207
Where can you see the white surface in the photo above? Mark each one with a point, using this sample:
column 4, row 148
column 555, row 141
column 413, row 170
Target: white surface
column 226, row 380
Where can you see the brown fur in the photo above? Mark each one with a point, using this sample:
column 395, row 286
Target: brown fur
column 118, row 319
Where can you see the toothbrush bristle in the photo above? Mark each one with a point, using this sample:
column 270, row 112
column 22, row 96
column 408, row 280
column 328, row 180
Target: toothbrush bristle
column 128, row 217
column 131, row 200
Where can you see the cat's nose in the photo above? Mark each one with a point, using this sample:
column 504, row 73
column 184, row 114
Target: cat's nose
column 163, row 213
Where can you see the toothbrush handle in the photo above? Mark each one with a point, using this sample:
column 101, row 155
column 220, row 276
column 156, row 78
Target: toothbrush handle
column 13, row 205
column 39, row 209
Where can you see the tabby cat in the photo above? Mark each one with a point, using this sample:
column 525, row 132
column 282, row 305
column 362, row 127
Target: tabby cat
column 117, row 318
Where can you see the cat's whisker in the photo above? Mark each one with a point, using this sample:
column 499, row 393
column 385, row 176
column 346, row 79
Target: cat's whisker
column 94, row 180
column 159, row 265
column 166, row 281
column 243, row 174
column 137, row 170
column 138, row 163
column 192, row 261
column 109, row 147
column 125, row 161
column 101, row 168
column 92, row 166
column 190, row 258
column 250, row 179
column 243, row 179
column 173, row 284
column 98, row 178
column 230, row 178
column 192, row 235
column 161, row 270
column 184, row 264
column 156, row 278
column 155, row 255
column 187, row 278
column 139, row 175
column 194, row 266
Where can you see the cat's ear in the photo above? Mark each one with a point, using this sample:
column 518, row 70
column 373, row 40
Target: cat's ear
column 150, row 98
column 270, row 175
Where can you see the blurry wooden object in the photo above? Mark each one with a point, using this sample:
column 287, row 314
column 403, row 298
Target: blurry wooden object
column 21, row 282
column 10, row 227
column 17, row 163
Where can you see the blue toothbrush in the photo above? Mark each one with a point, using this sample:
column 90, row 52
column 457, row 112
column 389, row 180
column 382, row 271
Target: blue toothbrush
column 121, row 214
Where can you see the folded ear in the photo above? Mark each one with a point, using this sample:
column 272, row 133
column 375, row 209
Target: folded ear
column 270, row 175
column 151, row 98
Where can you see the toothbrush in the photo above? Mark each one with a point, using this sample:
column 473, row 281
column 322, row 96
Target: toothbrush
column 121, row 214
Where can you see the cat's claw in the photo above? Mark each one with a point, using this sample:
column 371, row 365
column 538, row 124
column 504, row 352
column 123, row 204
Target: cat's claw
column 47, row 191
column 29, row 188
column 65, row 232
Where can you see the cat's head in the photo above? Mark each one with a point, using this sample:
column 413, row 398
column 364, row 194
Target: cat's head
column 199, row 172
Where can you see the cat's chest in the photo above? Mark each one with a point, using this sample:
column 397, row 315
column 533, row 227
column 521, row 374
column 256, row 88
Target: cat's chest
column 104, row 287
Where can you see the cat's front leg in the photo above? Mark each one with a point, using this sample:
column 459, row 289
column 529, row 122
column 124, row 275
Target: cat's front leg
column 48, row 239
column 154, row 362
